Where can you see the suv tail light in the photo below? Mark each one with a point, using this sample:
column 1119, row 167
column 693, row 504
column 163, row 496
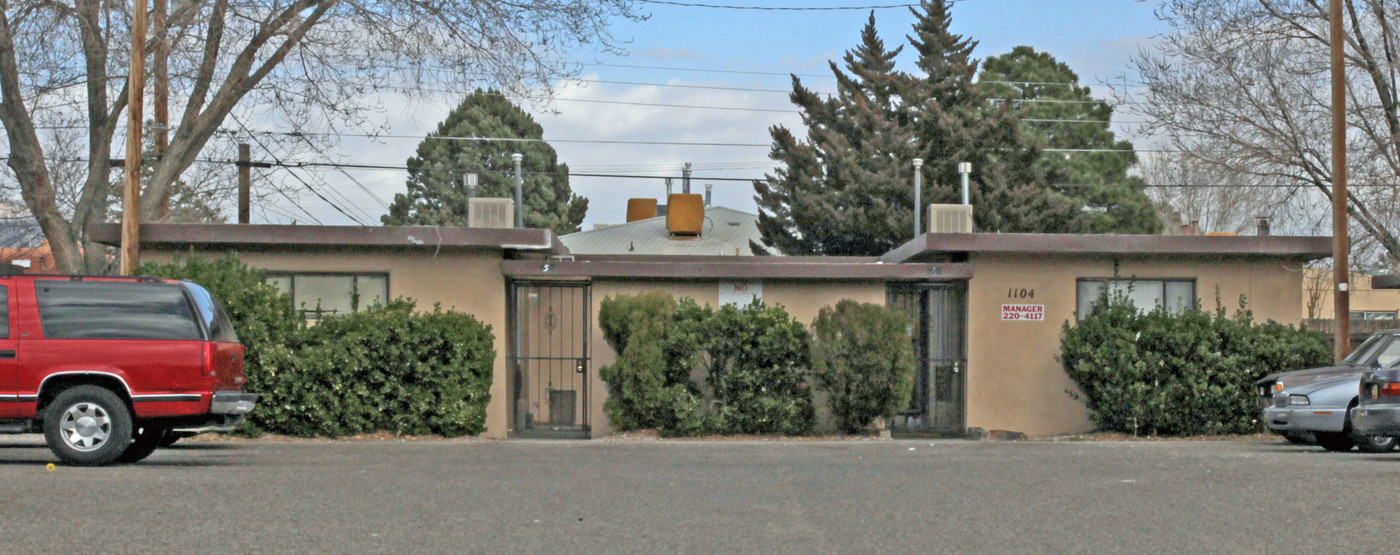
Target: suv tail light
column 1390, row 389
column 208, row 369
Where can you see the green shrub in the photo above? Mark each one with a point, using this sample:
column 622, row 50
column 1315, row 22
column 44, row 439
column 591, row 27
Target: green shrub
column 391, row 368
column 758, row 357
column 753, row 359
column 647, row 380
column 1183, row 373
column 384, row 369
column 863, row 359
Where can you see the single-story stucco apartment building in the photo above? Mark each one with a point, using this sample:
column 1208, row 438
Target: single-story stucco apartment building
column 988, row 307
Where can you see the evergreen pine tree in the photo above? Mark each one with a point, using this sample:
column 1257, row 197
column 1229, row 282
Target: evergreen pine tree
column 954, row 122
column 847, row 189
column 436, row 192
column 1118, row 202
column 840, row 191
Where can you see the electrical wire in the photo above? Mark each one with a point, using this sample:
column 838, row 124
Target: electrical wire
column 303, row 181
column 782, row 9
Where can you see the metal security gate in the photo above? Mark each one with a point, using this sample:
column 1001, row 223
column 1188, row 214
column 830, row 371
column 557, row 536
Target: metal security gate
column 550, row 324
column 938, row 316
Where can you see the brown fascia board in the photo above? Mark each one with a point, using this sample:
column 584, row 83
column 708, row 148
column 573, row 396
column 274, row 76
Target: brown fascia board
column 315, row 236
column 727, row 267
column 1308, row 248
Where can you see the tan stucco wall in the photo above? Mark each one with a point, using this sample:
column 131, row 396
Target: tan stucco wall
column 1317, row 294
column 1013, row 379
column 801, row 299
column 469, row 282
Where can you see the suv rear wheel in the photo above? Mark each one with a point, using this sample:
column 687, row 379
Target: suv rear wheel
column 87, row 425
column 144, row 441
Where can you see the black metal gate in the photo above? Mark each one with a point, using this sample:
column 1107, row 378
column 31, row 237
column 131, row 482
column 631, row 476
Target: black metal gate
column 550, row 324
column 938, row 316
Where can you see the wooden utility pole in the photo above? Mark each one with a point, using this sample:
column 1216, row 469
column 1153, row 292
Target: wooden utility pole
column 1341, row 244
column 160, row 77
column 245, row 182
column 131, row 194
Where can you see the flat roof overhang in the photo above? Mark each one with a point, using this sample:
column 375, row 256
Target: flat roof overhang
column 283, row 236
column 730, row 267
column 931, row 245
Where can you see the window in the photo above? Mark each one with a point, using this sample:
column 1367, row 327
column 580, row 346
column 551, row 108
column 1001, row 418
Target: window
column 1357, row 315
column 4, row 311
column 1146, row 294
column 115, row 310
column 211, row 311
column 330, row 295
column 1389, row 356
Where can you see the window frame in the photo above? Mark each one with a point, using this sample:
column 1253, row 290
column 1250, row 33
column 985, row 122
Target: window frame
column 309, row 314
column 1195, row 304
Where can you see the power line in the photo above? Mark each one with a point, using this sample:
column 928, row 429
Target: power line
column 786, row 74
column 334, row 165
column 777, row 9
column 303, row 181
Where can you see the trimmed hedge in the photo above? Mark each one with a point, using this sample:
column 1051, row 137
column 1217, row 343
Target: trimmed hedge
column 384, row 369
column 1179, row 374
column 753, row 360
column 863, row 359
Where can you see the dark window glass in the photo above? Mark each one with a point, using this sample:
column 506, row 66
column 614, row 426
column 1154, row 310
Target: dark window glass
column 114, row 310
column 4, row 311
column 212, row 313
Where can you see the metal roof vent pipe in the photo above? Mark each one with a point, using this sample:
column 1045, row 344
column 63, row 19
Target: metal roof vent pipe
column 1263, row 228
column 1195, row 227
column 709, row 190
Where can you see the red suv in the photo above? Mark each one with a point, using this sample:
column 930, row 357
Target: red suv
column 107, row 366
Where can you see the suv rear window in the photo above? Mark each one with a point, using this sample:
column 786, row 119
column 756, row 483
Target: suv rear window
column 114, row 310
column 211, row 311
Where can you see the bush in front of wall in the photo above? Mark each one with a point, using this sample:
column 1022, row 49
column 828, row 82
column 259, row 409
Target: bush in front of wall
column 863, row 359
column 393, row 369
column 758, row 358
column 389, row 368
column 753, row 361
column 1179, row 373
column 649, row 383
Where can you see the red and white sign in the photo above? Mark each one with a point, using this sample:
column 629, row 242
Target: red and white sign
column 1023, row 312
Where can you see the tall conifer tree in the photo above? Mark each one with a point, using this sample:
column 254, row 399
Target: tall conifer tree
column 1073, row 119
column 848, row 189
column 436, row 193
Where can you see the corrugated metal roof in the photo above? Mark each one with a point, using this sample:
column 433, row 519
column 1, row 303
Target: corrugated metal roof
column 727, row 232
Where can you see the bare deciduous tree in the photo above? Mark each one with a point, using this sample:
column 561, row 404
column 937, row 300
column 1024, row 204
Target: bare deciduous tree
column 1241, row 89
column 294, row 62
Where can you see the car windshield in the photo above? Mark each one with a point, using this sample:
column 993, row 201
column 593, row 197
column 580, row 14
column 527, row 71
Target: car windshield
column 1366, row 350
column 211, row 312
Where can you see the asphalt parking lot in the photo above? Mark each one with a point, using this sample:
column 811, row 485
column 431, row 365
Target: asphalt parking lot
column 651, row 496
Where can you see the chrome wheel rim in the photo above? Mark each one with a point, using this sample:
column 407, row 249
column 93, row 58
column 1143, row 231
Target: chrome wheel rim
column 85, row 427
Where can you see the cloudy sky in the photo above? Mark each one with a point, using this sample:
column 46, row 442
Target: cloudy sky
column 684, row 49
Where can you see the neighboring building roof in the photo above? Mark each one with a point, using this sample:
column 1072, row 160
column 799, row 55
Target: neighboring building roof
column 20, row 234
column 932, row 245
column 731, row 267
column 248, row 235
column 727, row 232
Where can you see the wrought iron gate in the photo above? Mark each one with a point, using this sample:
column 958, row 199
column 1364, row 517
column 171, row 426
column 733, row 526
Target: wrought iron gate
column 938, row 316
column 550, row 325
